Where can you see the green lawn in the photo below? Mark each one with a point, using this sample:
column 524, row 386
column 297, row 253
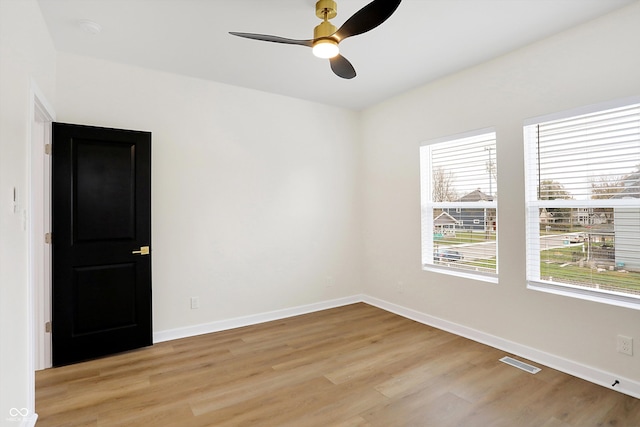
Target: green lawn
column 562, row 255
column 466, row 237
column 577, row 275
column 560, row 265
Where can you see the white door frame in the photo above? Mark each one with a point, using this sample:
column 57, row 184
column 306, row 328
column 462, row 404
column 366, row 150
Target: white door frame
column 39, row 222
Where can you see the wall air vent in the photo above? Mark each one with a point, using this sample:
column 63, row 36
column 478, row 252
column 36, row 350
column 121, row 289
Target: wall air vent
column 520, row 365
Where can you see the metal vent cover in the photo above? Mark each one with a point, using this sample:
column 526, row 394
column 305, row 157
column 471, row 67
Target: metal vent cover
column 520, row 365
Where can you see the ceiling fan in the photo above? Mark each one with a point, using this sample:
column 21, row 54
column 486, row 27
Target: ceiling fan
column 326, row 37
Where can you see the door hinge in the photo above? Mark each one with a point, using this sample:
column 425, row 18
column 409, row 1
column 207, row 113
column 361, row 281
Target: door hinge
column 47, row 149
column 47, row 327
column 48, row 238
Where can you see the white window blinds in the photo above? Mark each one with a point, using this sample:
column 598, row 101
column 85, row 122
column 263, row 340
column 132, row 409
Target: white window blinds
column 459, row 199
column 583, row 203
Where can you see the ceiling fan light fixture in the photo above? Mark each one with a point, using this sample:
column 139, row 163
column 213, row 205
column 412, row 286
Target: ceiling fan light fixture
column 326, row 48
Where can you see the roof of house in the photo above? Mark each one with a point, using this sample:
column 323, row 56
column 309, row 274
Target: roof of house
column 443, row 218
column 477, row 196
column 631, row 187
column 546, row 214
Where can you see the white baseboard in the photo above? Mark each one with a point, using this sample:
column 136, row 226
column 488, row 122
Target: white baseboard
column 29, row 421
column 588, row 373
column 238, row 322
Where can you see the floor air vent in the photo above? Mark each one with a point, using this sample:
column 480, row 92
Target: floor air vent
column 520, row 365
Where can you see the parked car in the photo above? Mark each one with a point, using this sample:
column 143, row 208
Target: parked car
column 448, row 255
column 575, row 238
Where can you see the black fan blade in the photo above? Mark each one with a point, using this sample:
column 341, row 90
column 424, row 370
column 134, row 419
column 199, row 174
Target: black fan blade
column 275, row 39
column 367, row 18
column 342, row 67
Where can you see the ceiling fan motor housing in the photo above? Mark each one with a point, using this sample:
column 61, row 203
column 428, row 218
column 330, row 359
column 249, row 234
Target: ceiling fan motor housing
column 324, row 30
column 328, row 8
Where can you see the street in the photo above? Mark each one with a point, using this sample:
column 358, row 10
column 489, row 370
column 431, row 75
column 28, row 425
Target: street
column 486, row 250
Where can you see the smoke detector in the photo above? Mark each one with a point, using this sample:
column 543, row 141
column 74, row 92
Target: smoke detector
column 90, row 27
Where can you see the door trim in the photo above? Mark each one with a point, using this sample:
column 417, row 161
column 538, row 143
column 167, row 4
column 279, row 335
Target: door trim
column 41, row 114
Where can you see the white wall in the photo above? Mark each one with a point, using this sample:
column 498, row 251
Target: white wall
column 258, row 199
column 255, row 198
column 596, row 62
column 26, row 53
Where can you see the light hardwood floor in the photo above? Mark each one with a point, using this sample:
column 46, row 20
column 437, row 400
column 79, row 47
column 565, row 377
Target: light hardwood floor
column 349, row 366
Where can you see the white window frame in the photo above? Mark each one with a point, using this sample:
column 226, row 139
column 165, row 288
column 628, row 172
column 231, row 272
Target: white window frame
column 427, row 206
column 533, row 206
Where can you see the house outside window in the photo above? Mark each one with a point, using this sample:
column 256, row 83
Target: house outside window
column 459, row 199
column 583, row 203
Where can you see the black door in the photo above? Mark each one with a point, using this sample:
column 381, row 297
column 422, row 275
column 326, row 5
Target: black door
column 101, row 200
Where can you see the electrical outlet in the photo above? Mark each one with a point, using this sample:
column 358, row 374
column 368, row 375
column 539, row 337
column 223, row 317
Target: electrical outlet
column 625, row 345
column 195, row 303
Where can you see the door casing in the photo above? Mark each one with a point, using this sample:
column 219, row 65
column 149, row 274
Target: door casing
column 36, row 218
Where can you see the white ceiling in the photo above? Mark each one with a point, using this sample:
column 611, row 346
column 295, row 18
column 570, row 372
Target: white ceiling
column 424, row 40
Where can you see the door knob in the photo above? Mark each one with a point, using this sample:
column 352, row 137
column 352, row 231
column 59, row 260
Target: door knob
column 144, row 250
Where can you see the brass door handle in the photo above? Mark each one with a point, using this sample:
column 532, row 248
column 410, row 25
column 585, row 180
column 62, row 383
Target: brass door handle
column 144, row 250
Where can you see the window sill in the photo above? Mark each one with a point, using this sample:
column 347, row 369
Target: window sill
column 604, row 297
column 490, row 278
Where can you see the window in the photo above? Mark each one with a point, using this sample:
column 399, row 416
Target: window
column 459, row 216
column 583, row 204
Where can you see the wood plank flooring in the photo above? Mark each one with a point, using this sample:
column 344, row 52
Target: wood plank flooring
column 351, row 366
